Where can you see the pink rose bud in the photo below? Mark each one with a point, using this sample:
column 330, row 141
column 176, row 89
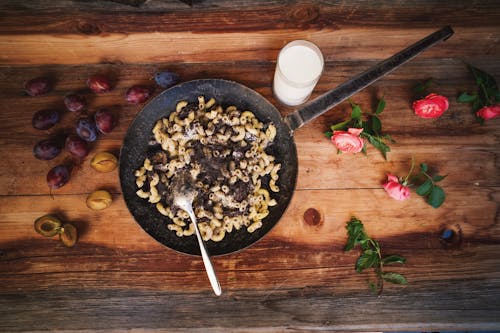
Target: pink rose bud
column 432, row 106
column 395, row 189
column 489, row 112
column 348, row 142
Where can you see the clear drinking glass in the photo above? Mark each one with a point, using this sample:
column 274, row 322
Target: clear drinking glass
column 298, row 69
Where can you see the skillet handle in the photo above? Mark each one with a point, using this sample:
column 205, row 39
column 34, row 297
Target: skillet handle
column 328, row 100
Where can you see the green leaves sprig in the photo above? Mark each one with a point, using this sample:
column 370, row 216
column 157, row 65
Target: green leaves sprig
column 371, row 124
column 486, row 93
column 371, row 256
column 434, row 195
column 420, row 88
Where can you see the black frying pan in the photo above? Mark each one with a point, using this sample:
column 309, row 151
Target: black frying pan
column 135, row 145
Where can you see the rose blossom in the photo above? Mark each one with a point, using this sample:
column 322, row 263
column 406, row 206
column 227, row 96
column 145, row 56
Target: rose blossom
column 432, row 106
column 348, row 142
column 489, row 112
column 395, row 189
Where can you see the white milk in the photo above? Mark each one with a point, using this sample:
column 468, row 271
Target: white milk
column 298, row 69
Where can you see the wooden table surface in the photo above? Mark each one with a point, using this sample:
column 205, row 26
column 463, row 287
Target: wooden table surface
column 297, row 278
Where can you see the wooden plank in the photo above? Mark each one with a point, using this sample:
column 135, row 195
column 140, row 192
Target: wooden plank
column 186, row 46
column 311, row 308
column 317, row 160
column 298, row 277
column 87, row 18
column 115, row 265
column 110, row 240
column 453, row 142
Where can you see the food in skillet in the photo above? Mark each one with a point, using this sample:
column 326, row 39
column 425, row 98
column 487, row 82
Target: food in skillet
column 226, row 152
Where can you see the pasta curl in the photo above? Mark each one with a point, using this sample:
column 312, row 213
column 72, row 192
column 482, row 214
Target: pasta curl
column 226, row 152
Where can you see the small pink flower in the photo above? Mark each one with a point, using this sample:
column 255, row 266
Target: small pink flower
column 348, row 142
column 395, row 189
column 489, row 112
column 432, row 106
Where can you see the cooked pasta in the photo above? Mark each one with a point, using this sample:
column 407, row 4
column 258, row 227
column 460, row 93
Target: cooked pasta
column 225, row 151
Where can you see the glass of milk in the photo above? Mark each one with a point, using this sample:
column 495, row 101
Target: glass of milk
column 298, row 69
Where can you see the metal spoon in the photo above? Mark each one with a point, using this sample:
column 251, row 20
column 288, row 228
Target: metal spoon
column 184, row 195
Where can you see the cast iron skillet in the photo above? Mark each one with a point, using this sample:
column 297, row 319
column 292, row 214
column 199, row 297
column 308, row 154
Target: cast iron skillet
column 135, row 145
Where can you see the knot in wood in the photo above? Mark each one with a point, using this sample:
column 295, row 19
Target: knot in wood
column 87, row 28
column 450, row 236
column 304, row 14
column 312, row 217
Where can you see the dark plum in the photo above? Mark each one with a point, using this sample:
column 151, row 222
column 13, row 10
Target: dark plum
column 99, row 84
column 105, row 120
column 45, row 119
column 86, row 129
column 166, row 79
column 75, row 102
column 37, row 86
column 76, row 146
column 137, row 94
column 58, row 176
column 46, row 149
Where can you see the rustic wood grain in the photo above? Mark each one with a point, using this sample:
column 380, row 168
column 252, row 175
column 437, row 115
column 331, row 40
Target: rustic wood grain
column 237, row 32
column 422, row 139
column 297, row 278
column 340, row 44
column 105, row 311
column 86, row 18
column 117, row 261
column 111, row 228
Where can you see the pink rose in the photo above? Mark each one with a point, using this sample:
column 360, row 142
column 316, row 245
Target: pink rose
column 432, row 106
column 395, row 189
column 348, row 142
column 489, row 112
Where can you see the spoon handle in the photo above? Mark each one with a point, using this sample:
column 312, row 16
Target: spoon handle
column 209, row 268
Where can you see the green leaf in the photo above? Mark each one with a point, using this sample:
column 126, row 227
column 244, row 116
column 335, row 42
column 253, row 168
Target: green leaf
column 393, row 259
column 395, row 278
column 424, row 167
column 421, row 86
column 375, row 244
column 366, row 127
column 466, row 98
column 483, row 78
column 436, row 197
column 477, row 104
column 355, row 233
column 356, row 111
column 340, row 126
column 486, row 83
column 497, row 97
column 375, row 124
column 329, row 135
column 368, row 259
column 380, row 106
column 377, row 143
column 438, row 178
column 492, row 94
column 387, row 137
column 425, row 188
